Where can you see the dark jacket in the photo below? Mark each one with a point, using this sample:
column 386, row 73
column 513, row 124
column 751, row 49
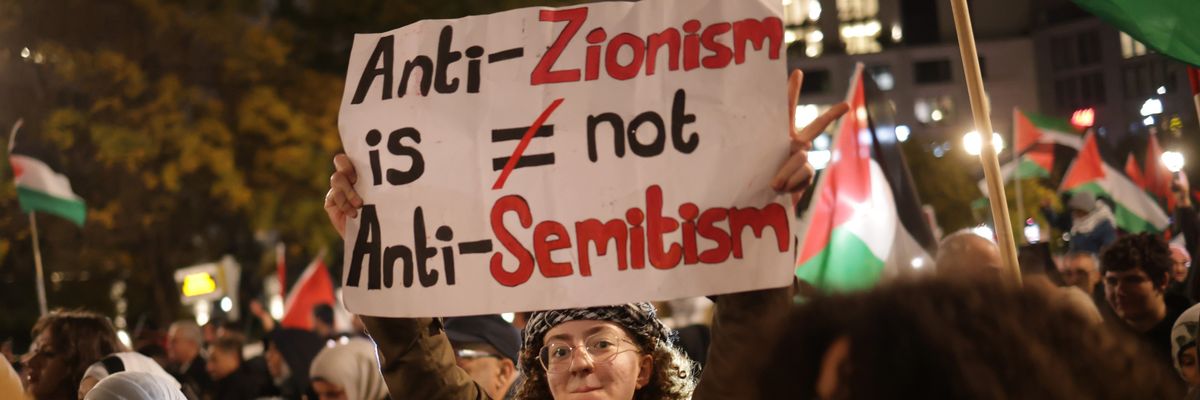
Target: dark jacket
column 242, row 384
column 193, row 377
column 418, row 363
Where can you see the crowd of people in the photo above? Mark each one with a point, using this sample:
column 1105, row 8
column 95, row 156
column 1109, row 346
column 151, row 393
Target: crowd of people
column 1112, row 318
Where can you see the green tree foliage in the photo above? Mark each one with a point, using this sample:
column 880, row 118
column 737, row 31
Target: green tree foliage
column 192, row 128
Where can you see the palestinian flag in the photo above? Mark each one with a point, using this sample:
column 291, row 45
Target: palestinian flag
column 39, row 188
column 314, row 288
column 1040, row 141
column 1135, row 211
column 1033, row 131
column 1156, row 176
column 856, row 232
column 1167, row 26
column 1034, row 164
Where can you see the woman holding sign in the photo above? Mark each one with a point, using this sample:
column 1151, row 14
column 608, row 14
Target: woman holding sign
column 613, row 352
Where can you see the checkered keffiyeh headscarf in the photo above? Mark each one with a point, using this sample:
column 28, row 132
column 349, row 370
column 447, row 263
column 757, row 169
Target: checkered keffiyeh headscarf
column 640, row 319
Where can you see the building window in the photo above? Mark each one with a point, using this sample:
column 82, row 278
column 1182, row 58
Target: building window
column 933, row 71
column 933, row 110
column 861, row 37
column 1130, row 47
column 815, row 82
column 860, row 28
column 1062, row 52
column 799, row 12
column 1091, row 88
column 1089, row 48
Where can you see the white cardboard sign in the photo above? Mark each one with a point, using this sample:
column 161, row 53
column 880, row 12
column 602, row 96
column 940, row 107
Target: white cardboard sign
column 550, row 158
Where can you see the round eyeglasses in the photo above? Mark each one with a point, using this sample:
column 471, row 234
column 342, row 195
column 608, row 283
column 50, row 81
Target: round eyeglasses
column 560, row 357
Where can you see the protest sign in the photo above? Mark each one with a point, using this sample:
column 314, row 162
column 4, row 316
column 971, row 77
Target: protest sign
column 548, row 158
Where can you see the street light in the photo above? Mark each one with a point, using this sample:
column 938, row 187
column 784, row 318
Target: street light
column 1173, row 160
column 974, row 145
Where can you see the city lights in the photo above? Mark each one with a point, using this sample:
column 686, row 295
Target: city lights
column 1173, row 160
column 973, row 144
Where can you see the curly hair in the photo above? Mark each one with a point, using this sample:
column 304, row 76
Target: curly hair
column 958, row 339
column 674, row 376
column 1144, row 251
column 81, row 337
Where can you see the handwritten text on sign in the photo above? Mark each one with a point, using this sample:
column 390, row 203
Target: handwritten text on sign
column 541, row 158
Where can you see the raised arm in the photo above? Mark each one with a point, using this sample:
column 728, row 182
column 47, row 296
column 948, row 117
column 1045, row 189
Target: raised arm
column 746, row 325
column 415, row 356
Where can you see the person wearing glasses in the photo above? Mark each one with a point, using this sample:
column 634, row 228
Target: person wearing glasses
column 487, row 347
column 619, row 352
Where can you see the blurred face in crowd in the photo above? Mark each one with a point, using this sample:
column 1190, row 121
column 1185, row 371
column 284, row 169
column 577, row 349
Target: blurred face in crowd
column 1180, row 261
column 221, row 363
column 1132, row 294
column 330, row 391
column 1187, row 364
column 47, row 369
column 276, row 365
column 180, row 348
column 616, row 376
column 493, row 372
column 1080, row 271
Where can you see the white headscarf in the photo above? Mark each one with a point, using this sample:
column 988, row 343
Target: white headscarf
column 352, row 366
column 135, row 385
column 128, row 361
column 1183, row 334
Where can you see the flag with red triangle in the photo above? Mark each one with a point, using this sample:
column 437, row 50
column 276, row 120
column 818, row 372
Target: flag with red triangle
column 1135, row 211
column 315, row 287
column 853, row 233
column 1157, row 176
column 1134, row 171
column 1033, row 130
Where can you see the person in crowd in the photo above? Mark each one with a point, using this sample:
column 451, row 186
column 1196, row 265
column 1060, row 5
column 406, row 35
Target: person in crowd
column 65, row 344
column 322, row 318
column 136, row 385
column 156, row 352
column 1181, row 263
column 609, row 352
column 1186, row 224
column 120, row 362
column 965, row 253
column 1082, row 270
column 230, row 378
column 1136, row 269
column 1183, row 349
column 1092, row 223
column 348, row 372
column 289, row 355
column 487, row 347
column 185, row 340
column 955, row 338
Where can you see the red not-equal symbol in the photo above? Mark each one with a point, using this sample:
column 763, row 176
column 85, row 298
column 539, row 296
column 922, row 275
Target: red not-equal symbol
column 512, row 161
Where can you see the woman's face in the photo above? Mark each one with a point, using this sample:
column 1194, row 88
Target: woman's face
column 327, row 390
column 588, row 378
column 47, row 372
column 1187, row 366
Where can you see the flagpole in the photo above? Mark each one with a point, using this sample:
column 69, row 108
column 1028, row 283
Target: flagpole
column 37, row 263
column 983, row 125
column 1017, row 179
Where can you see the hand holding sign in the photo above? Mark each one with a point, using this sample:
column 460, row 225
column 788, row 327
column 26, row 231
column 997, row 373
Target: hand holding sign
column 342, row 201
